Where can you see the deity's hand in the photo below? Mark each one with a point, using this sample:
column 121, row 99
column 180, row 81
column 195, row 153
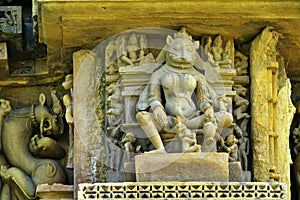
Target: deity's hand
column 4, row 174
column 160, row 116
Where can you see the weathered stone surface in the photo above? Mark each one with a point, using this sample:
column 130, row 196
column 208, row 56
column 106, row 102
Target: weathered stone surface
column 55, row 191
column 285, row 113
column 182, row 167
column 235, row 172
column 270, row 92
column 246, row 176
column 88, row 145
column 60, row 25
column 129, row 172
column 259, row 102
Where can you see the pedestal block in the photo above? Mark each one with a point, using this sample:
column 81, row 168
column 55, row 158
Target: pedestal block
column 235, row 171
column 182, row 167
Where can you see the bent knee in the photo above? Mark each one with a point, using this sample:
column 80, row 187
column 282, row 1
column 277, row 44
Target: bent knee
column 224, row 119
column 143, row 118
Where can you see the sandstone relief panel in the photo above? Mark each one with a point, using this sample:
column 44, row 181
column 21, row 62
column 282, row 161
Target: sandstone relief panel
column 164, row 105
column 29, row 150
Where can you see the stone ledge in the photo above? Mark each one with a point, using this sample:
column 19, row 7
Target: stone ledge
column 182, row 167
column 55, row 191
column 183, row 190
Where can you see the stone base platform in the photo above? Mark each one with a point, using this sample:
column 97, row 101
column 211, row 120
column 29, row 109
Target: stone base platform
column 184, row 190
column 55, row 191
column 182, row 167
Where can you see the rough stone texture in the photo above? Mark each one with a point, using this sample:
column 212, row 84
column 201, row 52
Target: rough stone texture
column 246, row 176
column 62, row 28
column 235, row 172
column 88, row 144
column 129, row 172
column 270, row 129
column 56, row 191
column 182, row 167
column 259, row 103
column 286, row 113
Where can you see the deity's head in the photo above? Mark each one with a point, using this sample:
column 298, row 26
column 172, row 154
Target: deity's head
column 181, row 50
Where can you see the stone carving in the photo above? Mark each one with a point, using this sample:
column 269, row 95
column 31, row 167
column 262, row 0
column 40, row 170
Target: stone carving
column 68, row 103
column 241, row 104
column 296, row 149
column 30, row 150
column 243, row 151
column 240, row 63
column 129, row 50
column 183, row 190
column 126, row 52
column 187, row 137
column 11, row 19
column 231, row 143
column 128, row 141
column 176, row 81
column 221, row 54
column 296, row 169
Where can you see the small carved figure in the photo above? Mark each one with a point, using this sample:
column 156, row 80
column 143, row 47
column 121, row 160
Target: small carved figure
column 5, row 109
column 177, row 81
column 207, row 46
column 111, row 67
column 188, row 138
column 244, row 151
column 217, row 48
column 296, row 168
column 231, row 143
column 128, row 141
column 226, row 62
column 68, row 103
column 240, row 63
column 130, row 56
column 116, row 107
column 241, row 103
column 296, row 138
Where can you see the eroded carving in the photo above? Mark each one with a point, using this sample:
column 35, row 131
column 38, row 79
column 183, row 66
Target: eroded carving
column 221, row 54
column 30, row 150
column 68, row 103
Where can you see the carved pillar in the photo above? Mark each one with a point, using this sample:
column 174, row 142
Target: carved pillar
column 88, row 120
column 271, row 113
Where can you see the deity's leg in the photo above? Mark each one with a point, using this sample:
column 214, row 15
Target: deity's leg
column 146, row 123
column 223, row 119
column 5, row 192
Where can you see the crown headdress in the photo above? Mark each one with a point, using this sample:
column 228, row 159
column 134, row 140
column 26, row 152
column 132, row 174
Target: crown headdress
column 182, row 34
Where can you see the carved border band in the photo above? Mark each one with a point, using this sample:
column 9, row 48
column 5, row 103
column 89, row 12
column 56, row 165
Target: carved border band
column 183, row 190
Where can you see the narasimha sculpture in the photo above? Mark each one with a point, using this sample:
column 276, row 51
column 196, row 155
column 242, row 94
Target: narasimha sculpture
column 178, row 89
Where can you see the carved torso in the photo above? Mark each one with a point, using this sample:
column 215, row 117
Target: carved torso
column 178, row 89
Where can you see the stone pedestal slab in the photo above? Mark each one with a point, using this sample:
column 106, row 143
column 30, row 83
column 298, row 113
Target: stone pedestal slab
column 235, row 172
column 182, row 167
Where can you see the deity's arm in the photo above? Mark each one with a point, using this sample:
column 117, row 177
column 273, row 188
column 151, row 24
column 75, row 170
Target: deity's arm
column 204, row 92
column 155, row 90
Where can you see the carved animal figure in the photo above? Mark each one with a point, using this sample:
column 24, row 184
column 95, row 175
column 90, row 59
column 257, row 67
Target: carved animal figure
column 24, row 133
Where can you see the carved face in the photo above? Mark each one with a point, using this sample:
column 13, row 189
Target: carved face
column 50, row 124
column 181, row 52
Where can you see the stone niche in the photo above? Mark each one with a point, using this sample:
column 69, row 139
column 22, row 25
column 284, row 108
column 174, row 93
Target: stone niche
column 240, row 58
column 125, row 76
